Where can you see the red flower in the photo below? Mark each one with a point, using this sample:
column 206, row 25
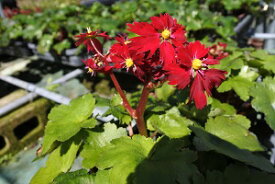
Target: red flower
column 162, row 33
column 192, row 69
column 122, row 40
column 218, row 50
column 90, row 41
column 125, row 58
column 98, row 64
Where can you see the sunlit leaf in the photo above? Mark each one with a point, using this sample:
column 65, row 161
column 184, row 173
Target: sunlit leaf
column 66, row 120
column 234, row 129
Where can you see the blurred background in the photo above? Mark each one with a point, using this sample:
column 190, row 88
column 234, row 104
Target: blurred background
column 37, row 53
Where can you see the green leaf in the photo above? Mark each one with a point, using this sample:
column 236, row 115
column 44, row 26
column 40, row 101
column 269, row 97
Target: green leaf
column 72, row 89
column 117, row 110
column 191, row 112
column 45, row 43
column 165, row 91
column 233, row 61
column 168, row 162
column 261, row 59
column 103, row 176
column 60, row 160
column 234, row 129
column 259, row 54
column 218, row 108
column 214, row 143
column 83, row 177
column 97, row 139
column 239, row 84
column 249, row 73
column 269, row 64
column 264, row 99
column 171, row 123
column 66, row 120
column 59, row 47
column 239, row 174
column 101, row 102
column 76, row 177
column 123, row 155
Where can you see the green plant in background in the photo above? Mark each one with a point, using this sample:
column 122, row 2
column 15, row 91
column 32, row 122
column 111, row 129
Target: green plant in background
column 54, row 28
column 43, row 4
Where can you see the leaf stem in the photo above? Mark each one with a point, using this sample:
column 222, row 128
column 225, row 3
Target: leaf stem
column 125, row 102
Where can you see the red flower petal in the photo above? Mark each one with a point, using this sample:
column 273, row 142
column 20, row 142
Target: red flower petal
column 98, row 45
column 163, row 22
column 178, row 76
column 197, row 50
column 178, row 36
column 167, row 52
column 212, row 78
column 185, row 56
column 141, row 28
column 197, row 92
column 210, row 61
column 145, row 43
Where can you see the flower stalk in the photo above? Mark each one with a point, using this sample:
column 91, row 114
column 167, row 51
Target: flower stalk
column 138, row 113
column 125, row 102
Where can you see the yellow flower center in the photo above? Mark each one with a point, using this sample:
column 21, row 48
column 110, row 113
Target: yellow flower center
column 129, row 62
column 165, row 34
column 196, row 64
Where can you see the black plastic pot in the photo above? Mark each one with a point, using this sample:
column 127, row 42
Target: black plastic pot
column 17, row 49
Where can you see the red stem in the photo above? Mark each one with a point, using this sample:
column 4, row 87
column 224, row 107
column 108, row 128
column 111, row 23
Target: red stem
column 140, row 110
column 126, row 104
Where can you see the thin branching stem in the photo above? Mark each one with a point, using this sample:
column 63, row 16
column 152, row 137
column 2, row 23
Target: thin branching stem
column 97, row 51
column 125, row 102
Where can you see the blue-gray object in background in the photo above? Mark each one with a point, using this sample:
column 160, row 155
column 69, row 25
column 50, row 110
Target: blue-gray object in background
column 1, row 11
column 90, row 2
column 21, row 169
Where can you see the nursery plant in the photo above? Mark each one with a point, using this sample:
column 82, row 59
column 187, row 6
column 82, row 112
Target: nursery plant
column 178, row 128
column 53, row 28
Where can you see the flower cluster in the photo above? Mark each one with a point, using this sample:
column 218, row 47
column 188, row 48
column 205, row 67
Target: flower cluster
column 159, row 53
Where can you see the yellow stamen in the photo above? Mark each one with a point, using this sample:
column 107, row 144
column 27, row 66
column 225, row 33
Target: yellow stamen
column 129, row 62
column 196, row 64
column 127, row 42
column 165, row 34
column 99, row 63
column 90, row 70
column 89, row 30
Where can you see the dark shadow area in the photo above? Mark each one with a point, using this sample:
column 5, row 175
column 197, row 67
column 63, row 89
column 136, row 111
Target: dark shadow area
column 22, row 130
column 6, row 88
column 2, row 142
column 127, row 81
column 169, row 161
